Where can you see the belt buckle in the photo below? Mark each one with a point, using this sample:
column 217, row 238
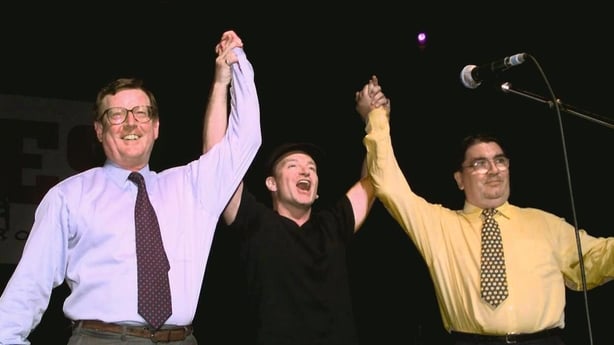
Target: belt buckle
column 153, row 336
column 510, row 338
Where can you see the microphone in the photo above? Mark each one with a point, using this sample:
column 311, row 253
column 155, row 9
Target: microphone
column 472, row 76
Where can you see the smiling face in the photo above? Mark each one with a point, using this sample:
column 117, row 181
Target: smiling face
column 294, row 183
column 130, row 143
column 487, row 189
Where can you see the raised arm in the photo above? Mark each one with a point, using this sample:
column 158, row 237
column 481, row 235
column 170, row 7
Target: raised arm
column 216, row 113
column 362, row 194
column 391, row 187
column 215, row 121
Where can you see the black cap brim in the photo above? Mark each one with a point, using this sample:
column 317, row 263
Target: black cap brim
column 281, row 151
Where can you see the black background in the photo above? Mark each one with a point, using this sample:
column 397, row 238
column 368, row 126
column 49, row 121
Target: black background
column 309, row 59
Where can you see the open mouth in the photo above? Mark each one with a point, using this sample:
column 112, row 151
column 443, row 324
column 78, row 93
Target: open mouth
column 304, row 185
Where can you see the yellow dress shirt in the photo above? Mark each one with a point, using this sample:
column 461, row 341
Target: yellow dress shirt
column 540, row 251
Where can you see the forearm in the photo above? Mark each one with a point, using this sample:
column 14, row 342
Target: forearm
column 244, row 120
column 216, row 115
column 389, row 182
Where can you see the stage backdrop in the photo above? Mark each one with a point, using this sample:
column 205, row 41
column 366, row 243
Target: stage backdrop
column 42, row 141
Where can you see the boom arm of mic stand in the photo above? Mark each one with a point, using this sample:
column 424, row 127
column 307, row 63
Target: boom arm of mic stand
column 507, row 88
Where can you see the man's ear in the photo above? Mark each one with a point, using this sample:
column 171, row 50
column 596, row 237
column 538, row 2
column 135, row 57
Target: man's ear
column 99, row 129
column 270, row 183
column 459, row 182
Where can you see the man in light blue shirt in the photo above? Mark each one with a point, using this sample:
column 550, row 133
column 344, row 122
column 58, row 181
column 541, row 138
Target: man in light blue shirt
column 83, row 233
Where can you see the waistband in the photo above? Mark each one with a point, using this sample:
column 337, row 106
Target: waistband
column 511, row 338
column 164, row 335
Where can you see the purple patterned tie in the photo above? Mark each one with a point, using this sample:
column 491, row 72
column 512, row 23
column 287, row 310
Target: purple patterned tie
column 154, row 291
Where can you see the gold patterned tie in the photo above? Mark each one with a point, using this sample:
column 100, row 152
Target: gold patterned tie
column 152, row 263
column 493, row 280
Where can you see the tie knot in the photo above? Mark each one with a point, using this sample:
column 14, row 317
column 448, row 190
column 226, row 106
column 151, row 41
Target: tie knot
column 136, row 178
column 489, row 212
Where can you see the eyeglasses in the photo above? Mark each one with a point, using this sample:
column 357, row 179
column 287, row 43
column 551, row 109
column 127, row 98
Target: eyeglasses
column 483, row 165
column 117, row 115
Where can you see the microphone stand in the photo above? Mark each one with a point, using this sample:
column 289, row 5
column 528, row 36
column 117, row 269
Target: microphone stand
column 557, row 105
column 604, row 121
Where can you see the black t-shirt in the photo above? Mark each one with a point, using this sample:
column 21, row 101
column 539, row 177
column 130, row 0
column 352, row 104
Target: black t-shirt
column 297, row 276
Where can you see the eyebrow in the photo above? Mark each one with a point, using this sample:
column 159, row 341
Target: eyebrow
column 484, row 157
column 296, row 160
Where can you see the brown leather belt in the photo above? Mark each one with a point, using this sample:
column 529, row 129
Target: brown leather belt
column 160, row 336
column 512, row 338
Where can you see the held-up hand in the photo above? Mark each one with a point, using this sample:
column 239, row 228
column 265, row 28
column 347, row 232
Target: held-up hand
column 226, row 56
column 371, row 97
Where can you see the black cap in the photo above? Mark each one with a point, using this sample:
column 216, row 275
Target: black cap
column 282, row 150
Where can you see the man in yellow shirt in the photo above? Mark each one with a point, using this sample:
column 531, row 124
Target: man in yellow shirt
column 540, row 249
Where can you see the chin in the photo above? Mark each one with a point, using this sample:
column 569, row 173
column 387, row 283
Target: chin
column 306, row 203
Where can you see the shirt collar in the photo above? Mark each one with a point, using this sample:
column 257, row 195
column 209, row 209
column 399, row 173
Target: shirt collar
column 472, row 210
column 119, row 176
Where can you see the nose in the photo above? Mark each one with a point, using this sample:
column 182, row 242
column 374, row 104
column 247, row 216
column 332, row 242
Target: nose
column 305, row 170
column 492, row 167
column 130, row 119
